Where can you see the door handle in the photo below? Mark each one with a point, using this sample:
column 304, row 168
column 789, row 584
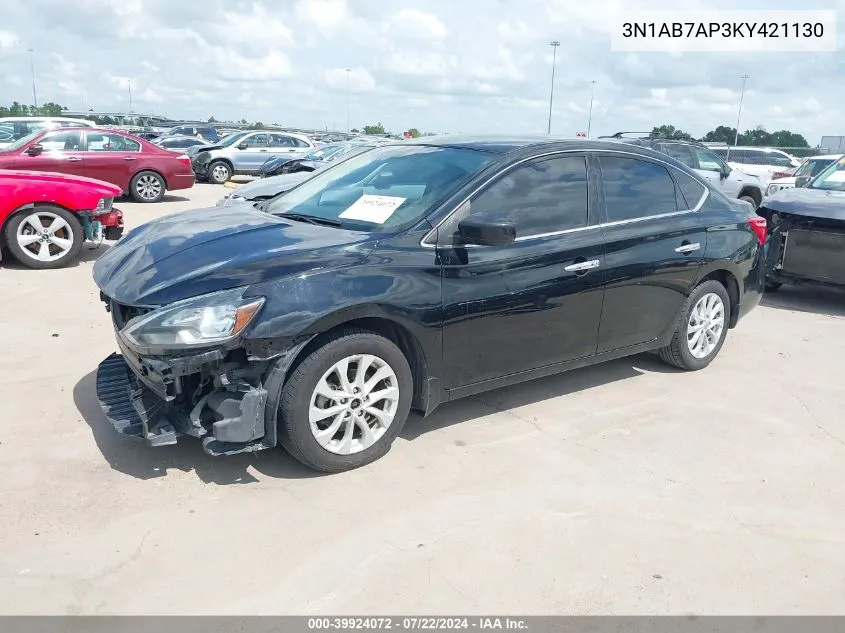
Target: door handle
column 129, row 158
column 686, row 248
column 582, row 267
column 74, row 159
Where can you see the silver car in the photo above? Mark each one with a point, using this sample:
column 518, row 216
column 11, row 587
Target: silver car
column 244, row 153
column 272, row 186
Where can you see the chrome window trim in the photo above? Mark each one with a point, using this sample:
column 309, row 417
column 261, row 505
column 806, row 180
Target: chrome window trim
column 433, row 231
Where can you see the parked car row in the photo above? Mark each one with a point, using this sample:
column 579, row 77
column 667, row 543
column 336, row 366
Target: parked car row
column 137, row 167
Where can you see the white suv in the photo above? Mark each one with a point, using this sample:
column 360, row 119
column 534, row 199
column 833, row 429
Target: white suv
column 734, row 183
column 760, row 161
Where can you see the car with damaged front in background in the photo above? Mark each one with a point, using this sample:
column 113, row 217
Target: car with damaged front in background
column 410, row 275
column 806, row 232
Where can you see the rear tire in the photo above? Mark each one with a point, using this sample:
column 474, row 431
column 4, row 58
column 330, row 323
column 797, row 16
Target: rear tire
column 25, row 236
column 147, row 186
column 358, row 427
column 219, row 172
column 701, row 330
column 749, row 200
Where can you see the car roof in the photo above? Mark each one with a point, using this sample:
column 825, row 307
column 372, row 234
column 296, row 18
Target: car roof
column 827, row 156
column 507, row 144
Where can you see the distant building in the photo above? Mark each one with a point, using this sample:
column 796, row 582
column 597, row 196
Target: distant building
column 834, row 144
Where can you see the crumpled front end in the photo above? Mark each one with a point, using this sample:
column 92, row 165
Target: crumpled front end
column 804, row 249
column 217, row 395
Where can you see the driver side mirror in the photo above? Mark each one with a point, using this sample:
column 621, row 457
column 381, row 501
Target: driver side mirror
column 485, row 231
column 242, row 146
column 726, row 171
column 35, row 149
column 801, row 181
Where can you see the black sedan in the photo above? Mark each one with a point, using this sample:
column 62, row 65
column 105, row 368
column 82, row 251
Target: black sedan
column 410, row 275
column 806, row 227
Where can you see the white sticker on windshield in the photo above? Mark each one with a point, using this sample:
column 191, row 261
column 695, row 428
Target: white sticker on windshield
column 370, row 208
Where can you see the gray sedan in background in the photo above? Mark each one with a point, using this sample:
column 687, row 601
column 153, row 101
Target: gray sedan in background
column 272, row 186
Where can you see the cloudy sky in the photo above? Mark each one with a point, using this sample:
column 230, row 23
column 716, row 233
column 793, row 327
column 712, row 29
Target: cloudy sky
column 467, row 66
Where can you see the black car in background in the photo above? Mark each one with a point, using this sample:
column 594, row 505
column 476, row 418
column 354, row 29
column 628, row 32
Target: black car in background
column 806, row 228
column 410, row 275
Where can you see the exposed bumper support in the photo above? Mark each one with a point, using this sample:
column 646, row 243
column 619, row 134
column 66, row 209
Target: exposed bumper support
column 228, row 421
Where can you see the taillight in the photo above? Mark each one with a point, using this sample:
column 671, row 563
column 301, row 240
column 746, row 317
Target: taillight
column 782, row 174
column 184, row 160
column 758, row 225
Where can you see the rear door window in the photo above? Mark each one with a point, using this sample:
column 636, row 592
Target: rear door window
column 635, row 188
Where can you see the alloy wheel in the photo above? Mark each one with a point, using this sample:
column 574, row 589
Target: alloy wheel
column 353, row 404
column 148, row 187
column 706, row 324
column 45, row 236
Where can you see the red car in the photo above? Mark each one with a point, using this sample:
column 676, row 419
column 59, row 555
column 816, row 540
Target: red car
column 141, row 169
column 45, row 217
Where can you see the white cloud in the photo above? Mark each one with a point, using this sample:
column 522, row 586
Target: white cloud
column 416, row 24
column 324, row 14
column 439, row 65
column 359, row 79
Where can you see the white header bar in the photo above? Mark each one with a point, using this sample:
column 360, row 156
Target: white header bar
column 790, row 31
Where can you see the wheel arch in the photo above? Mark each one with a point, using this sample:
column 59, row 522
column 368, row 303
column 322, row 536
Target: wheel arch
column 376, row 319
column 26, row 207
column 752, row 192
column 729, row 280
column 223, row 159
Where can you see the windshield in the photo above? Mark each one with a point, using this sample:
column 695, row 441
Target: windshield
column 232, row 139
column 321, row 153
column 385, row 188
column 832, row 178
column 24, row 140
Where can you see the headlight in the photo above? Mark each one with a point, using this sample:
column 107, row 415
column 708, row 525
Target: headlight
column 772, row 190
column 206, row 320
column 105, row 204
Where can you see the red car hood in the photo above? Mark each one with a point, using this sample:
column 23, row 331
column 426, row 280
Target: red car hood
column 106, row 189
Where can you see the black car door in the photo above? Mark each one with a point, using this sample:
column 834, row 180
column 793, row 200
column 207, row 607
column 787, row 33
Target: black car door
column 655, row 243
column 534, row 302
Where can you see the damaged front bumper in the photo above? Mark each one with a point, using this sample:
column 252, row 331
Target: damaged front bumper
column 159, row 400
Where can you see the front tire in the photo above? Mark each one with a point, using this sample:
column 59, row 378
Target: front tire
column 147, row 186
column 346, row 402
column 701, row 330
column 44, row 237
column 219, row 172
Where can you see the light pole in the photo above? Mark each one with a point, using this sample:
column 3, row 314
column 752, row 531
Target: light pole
column 738, row 116
column 590, row 118
column 31, row 52
column 129, row 83
column 348, row 71
column 554, row 44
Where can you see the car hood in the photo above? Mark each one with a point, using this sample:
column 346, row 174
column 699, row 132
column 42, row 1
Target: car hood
column 816, row 203
column 190, row 254
column 789, row 180
column 105, row 189
column 271, row 186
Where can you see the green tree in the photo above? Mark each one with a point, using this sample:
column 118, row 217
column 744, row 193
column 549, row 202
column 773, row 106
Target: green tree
column 785, row 138
column 211, row 119
column 378, row 128
column 415, row 133
column 722, row 134
column 258, row 125
column 355, row 130
column 669, row 131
